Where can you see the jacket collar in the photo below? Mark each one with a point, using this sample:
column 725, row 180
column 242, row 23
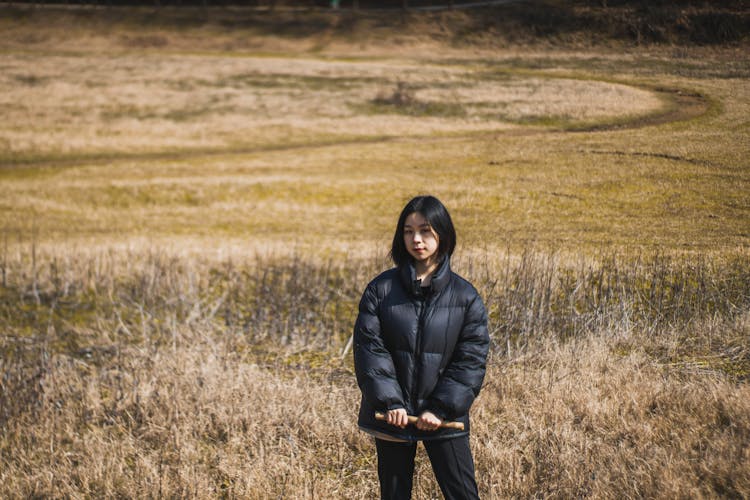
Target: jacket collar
column 440, row 278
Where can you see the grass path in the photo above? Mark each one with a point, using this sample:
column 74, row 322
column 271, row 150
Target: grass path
column 678, row 106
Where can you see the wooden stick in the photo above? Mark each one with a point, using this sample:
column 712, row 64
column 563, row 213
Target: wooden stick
column 413, row 420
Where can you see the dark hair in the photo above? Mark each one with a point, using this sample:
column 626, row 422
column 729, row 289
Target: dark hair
column 439, row 219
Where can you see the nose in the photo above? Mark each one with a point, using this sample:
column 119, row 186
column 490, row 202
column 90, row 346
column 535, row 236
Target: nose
column 416, row 237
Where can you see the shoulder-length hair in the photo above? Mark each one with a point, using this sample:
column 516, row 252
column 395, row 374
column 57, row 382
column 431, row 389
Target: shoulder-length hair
column 439, row 219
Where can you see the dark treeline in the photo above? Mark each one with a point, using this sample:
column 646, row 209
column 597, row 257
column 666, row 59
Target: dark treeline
column 581, row 21
column 342, row 4
column 734, row 5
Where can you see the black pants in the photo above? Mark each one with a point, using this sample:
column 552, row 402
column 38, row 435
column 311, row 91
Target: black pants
column 451, row 462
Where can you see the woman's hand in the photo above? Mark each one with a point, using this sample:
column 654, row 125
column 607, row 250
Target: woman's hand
column 397, row 417
column 428, row 421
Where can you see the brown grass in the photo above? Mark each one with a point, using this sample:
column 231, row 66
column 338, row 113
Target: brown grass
column 155, row 375
column 198, row 421
column 189, row 213
column 208, row 148
column 114, row 104
column 582, row 420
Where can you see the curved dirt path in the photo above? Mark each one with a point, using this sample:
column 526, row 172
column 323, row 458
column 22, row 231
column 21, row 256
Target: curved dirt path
column 328, row 103
column 683, row 105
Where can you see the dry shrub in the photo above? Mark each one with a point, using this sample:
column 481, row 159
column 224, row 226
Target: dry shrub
column 402, row 95
column 303, row 303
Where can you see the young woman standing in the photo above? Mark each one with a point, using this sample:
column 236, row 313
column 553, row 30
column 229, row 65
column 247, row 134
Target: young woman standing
column 420, row 348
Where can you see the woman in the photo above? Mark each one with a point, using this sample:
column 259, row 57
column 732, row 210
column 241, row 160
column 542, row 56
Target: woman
column 420, row 348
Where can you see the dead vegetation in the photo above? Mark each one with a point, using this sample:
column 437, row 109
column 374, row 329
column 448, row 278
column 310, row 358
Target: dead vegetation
column 153, row 374
column 192, row 206
column 72, row 105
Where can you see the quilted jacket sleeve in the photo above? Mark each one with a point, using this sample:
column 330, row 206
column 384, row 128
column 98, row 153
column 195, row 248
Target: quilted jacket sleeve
column 463, row 377
column 373, row 364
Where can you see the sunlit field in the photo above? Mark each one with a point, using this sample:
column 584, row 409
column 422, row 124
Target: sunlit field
column 189, row 214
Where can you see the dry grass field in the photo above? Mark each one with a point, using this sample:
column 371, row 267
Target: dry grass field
column 189, row 211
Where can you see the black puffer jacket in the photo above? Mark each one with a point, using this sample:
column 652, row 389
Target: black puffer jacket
column 419, row 350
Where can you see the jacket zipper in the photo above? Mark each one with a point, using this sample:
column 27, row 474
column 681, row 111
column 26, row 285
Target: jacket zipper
column 421, row 307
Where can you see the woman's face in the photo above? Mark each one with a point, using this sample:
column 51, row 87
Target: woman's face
column 420, row 239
